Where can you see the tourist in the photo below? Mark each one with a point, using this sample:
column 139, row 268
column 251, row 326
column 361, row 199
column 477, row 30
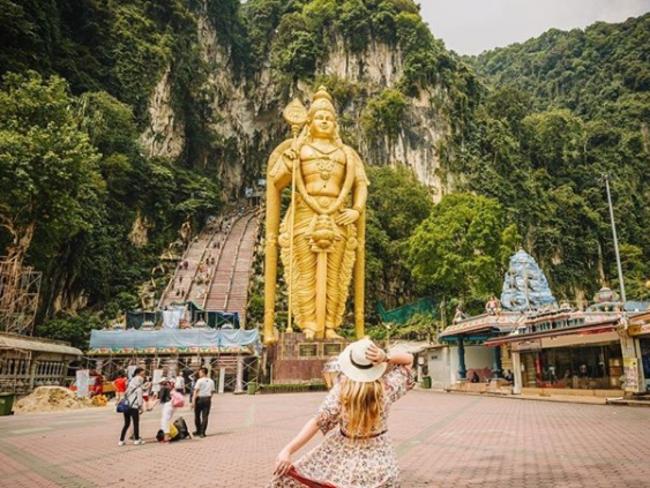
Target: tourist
column 167, row 410
column 147, row 393
column 475, row 377
column 356, row 450
column 190, row 381
column 119, row 384
column 203, row 390
column 135, row 400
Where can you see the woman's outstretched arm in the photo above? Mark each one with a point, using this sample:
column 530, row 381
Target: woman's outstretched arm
column 283, row 461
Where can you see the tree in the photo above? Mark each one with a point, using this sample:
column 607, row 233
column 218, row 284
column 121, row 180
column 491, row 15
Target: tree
column 397, row 203
column 48, row 168
column 461, row 249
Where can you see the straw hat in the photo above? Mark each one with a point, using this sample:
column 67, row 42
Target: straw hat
column 354, row 364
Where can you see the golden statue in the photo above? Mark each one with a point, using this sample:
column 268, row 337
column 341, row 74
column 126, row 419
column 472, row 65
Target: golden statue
column 322, row 234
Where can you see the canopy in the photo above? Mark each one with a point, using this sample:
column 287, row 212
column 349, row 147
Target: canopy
column 169, row 341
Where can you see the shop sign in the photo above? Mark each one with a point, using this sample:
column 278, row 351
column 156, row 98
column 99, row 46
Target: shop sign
column 639, row 329
column 531, row 345
column 83, row 383
column 631, row 366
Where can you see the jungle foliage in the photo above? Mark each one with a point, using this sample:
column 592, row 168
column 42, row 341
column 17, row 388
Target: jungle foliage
column 563, row 109
column 533, row 128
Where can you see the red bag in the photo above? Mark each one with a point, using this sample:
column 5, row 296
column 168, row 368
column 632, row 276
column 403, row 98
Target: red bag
column 307, row 481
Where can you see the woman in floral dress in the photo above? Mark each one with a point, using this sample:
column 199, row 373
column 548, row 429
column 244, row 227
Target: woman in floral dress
column 356, row 451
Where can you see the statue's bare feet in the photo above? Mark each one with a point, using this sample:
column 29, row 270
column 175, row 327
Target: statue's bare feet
column 331, row 334
column 309, row 334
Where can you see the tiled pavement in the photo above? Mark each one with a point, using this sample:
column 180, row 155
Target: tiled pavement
column 442, row 440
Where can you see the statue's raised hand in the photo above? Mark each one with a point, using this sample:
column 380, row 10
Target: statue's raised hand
column 290, row 154
column 347, row 217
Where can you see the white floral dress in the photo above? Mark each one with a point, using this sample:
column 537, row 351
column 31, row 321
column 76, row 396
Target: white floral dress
column 347, row 462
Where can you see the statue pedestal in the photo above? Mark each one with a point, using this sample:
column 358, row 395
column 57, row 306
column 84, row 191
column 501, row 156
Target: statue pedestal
column 295, row 359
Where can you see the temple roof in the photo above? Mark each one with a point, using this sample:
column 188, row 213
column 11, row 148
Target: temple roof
column 492, row 324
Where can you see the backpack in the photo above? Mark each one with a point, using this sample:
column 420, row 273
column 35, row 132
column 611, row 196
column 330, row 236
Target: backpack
column 181, row 428
column 177, row 400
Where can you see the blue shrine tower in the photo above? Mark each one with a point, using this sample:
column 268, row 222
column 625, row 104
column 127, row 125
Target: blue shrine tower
column 525, row 286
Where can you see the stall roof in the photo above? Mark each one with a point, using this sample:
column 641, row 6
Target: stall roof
column 605, row 325
column 170, row 341
column 501, row 323
column 26, row 343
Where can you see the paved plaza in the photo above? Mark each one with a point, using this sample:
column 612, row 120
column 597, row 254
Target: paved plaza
column 442, row 440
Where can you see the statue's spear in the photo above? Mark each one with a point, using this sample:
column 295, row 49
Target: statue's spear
column 296, row 115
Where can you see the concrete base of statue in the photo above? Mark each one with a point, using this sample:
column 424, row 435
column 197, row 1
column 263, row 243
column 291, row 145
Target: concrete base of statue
column 295, row 359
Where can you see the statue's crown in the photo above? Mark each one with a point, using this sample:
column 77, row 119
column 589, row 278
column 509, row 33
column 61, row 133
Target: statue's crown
column 321, row 101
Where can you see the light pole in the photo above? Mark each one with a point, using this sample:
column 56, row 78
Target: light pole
column 618, row 256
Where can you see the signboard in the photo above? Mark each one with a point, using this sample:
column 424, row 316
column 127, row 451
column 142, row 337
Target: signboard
column 157, row 376
column 638, row 329
column 83, row 383
column 631, row 366
column 531, row 345
column 130, row 370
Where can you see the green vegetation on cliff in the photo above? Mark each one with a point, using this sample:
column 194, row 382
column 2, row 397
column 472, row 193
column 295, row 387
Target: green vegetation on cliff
column 526, row 133
column 563, row 109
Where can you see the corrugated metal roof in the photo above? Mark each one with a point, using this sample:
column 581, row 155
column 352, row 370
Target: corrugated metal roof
column 30, row 344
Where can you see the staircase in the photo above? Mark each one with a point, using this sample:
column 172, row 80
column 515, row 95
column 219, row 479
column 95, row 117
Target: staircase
column 228, row 288
column 214, row 271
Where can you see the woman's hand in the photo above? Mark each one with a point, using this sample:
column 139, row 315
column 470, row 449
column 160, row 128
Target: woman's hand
column 282, row 463
column 375, row 354
column 348, row 216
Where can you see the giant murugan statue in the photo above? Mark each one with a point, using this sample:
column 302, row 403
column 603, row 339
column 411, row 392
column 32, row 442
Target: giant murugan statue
column 321, row 236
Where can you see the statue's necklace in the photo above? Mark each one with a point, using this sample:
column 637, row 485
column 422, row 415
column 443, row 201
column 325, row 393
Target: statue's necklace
column 325, row 163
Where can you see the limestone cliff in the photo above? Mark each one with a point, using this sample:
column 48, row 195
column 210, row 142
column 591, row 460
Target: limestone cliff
column 242, row 111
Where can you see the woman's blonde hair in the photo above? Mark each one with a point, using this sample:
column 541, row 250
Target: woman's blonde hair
column 362, row 406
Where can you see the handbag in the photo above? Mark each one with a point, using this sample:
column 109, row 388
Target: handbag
column 124, row 405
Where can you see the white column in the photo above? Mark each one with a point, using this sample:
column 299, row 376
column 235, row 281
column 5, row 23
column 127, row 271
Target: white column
column 239, row 381
column 516, row 373
column 222, row 379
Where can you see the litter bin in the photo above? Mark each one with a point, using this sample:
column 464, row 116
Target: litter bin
column 252, row 388
column 6, row 403
column 426, row 382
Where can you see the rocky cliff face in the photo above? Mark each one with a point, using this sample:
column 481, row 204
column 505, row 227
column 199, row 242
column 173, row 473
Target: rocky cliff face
column 244, row 112
column 165, row 134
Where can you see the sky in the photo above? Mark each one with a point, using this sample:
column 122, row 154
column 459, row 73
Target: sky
column 472, row 26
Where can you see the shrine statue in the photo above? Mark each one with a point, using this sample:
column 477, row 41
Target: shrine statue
column 321, row 236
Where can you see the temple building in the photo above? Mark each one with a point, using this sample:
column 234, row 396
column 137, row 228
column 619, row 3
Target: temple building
column 524, row 288
column 541, row 348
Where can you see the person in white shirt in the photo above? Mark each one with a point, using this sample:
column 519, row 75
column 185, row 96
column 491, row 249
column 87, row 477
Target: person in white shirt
column 202, row 399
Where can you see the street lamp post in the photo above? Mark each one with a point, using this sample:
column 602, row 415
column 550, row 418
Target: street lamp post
column 618, row 256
